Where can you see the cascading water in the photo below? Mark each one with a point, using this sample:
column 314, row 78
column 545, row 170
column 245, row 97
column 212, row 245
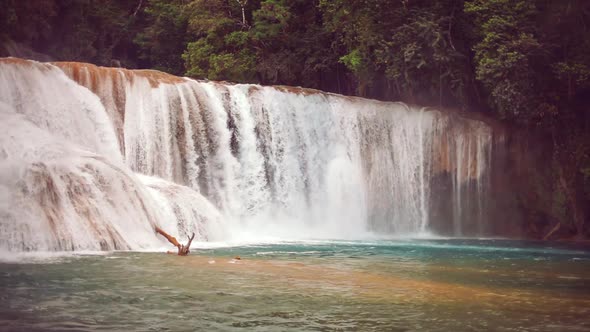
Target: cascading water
column 274, row 161
column 63, row 182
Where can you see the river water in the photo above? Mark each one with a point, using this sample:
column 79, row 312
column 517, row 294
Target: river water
column 382, row 285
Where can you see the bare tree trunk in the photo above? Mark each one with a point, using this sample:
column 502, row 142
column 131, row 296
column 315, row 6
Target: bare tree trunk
column 569, row 188
column 572, row 198
column 450, row 29
column 243, row 4
column 183, row 250
column 138, row 7
column 440, row 88
column 552, row 231
column 338, row 79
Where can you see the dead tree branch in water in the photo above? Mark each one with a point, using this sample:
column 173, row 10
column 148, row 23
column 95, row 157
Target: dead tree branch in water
column 183, row 250
column 552, row 231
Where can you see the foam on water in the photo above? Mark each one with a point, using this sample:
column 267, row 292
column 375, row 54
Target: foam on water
column 46, row 257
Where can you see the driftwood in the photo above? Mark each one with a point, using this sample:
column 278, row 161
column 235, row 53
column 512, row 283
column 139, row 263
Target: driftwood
column 552, row 231
column 183, row 250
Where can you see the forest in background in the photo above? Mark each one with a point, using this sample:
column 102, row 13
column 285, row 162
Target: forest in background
column 524, row 62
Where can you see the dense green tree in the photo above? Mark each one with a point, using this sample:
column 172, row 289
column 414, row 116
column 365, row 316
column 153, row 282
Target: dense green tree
column 27, row 21
column 290, row 47
column 505, row 53
column 76, row 30
column 355, row 25
column 404, row 50
column 565, row 85
column 220, row 48
column 163, row 40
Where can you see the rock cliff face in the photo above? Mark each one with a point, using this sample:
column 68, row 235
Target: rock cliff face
column 279, row 160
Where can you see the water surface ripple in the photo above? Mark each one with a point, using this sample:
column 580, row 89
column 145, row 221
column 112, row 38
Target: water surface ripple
column 412, row 285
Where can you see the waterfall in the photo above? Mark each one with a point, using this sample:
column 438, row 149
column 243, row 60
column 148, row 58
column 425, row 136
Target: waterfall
column 64, row 184
column 223, row 160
